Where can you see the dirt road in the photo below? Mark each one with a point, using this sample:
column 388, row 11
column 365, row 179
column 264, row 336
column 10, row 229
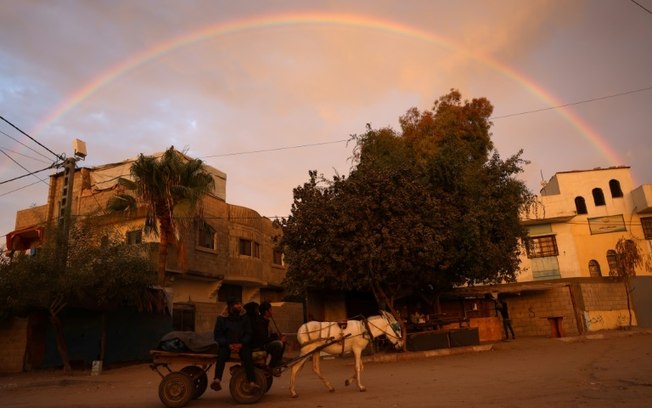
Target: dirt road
column 604, row 370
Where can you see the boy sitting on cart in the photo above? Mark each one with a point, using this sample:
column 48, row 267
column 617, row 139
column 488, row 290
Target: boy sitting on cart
column 233, row 334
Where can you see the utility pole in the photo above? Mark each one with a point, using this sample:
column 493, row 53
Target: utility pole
column 65, row 206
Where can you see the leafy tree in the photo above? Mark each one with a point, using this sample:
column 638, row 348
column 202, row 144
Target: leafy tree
column 430, row 207
column 629, row 257
column 94, row 274
column 170, row 187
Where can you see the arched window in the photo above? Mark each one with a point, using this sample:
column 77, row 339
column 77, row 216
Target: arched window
column 614, row 186
column 594, row 269
column 580, row 205
column 598, row 197
column 613, row 263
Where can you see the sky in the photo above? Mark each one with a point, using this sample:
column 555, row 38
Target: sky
column 267, row 90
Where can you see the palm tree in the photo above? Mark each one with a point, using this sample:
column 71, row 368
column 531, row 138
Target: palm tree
column 170, row 187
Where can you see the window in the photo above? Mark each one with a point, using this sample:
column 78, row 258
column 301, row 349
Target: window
column 134, row 237
column 539, row 247
column 183, row 317
column 646, row 223
column 612, row 261
column 248, row 247
column 614, row 186
column 278, row 257
column 598, row 196
column 594, row 269
column 245, row 247
column 580, row 205
column 206, row 237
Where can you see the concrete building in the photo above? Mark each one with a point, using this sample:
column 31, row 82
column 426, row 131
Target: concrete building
column 232, row 254
column 579, row 218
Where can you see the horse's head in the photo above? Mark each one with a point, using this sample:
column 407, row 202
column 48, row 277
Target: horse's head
column 392, row 330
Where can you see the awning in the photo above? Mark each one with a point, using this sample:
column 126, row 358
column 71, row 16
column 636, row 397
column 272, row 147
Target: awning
column 25, row 238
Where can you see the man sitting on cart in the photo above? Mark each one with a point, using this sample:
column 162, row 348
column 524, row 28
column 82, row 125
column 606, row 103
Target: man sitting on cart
column 233, row 335
column 264, row 339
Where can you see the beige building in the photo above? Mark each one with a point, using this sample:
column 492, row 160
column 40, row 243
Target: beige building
column 579, row 218
column 232, row 255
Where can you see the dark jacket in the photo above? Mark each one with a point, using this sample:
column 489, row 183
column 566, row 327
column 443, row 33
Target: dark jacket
column 261, row 334
column 231, row 328
column 501, row 306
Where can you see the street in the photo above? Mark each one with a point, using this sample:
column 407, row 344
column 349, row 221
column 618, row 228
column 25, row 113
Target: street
column 599, row 370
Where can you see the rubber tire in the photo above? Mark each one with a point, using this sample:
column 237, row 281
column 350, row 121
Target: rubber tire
column 269, row 378
column 239, row 386
column 176, row 390
column 199, row 379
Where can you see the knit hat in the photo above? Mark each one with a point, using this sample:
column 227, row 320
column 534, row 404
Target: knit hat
column 265, row 306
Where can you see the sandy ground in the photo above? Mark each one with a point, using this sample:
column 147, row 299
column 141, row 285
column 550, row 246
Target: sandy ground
column 609, row 369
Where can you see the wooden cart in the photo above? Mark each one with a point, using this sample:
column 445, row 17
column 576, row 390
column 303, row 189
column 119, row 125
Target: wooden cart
column 177, row 388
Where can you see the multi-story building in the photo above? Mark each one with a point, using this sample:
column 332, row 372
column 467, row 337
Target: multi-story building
column 231, row 254
column 579, row 218
column 563, row 286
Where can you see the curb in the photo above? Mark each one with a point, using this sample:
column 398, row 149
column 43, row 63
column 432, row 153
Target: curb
column 416, row 355
column 606, row 334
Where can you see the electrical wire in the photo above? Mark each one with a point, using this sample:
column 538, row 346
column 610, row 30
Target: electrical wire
column 274, row 149
column 641, row 6
column 24, row 168
column 599, row 98
column 21, row 154
column 58, row 156
column 29, row 174
column 20, row 188
column 21, row 143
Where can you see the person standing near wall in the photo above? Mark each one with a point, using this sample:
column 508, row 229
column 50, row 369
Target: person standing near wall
column 501, row 307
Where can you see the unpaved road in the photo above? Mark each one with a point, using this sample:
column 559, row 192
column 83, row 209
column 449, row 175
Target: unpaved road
column 606, row 370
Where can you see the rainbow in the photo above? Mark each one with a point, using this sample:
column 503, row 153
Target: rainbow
column 314, row 18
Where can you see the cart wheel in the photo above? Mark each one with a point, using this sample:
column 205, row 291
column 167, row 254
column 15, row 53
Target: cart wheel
column 199, row 379
column 269, row 378
column 240, row 390
column 176, row 390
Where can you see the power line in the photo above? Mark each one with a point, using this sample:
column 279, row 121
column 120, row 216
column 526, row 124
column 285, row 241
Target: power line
column 22, row 154
column 28, row 174
column 599, row 98
column 31, row 138
column 20, row 188
column 21, row 143
column 22, row 167
column 274, row 149
column 641, row 6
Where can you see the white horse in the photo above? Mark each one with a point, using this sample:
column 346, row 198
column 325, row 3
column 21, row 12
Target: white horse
column 353, row 336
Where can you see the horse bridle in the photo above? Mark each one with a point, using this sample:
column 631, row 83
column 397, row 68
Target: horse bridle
column 389, row 323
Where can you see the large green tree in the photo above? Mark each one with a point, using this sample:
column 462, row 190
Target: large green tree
column 427, row 208
column 170, row 188
column 96, row 274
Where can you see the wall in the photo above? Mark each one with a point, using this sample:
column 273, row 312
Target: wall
column 13, row 343
column 489, row 328
column 642, row 299
column 605, row 306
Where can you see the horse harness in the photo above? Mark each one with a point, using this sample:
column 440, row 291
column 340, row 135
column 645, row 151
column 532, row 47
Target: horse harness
column 338, row 337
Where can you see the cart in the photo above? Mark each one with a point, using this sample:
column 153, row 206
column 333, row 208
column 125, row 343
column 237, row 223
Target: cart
column 177, row 388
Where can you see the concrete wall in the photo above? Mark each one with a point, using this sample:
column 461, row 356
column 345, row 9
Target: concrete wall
column 13, row 343
column 642, row 299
